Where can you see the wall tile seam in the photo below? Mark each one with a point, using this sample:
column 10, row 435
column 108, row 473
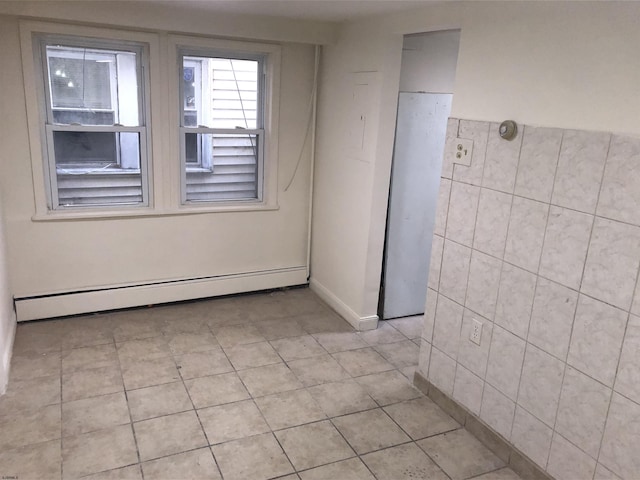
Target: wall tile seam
column 555, row 281
column 459, row 365
column 613, row 387
column 446, row 222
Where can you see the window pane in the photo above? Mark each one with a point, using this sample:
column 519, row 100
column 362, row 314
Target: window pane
column 92, row 86
column 98, row 168
column 220, row 92
column 221, row 167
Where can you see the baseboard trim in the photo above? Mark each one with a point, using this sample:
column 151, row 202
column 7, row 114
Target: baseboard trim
column 359, row 323
column 97, row 300
column 495, row 442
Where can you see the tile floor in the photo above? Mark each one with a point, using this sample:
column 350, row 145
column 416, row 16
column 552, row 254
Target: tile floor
column 252, row 387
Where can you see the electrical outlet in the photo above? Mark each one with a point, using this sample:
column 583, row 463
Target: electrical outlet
column 476, row 331
column 463, row 148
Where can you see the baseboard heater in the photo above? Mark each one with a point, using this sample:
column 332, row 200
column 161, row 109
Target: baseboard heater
column 124, row 296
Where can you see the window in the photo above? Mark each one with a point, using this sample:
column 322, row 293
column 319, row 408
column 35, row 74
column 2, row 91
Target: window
column 222, row 126
column 94, row 123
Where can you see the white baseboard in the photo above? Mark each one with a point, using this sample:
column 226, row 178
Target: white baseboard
column 112, row 298
column 359, row 323
column 5, row 367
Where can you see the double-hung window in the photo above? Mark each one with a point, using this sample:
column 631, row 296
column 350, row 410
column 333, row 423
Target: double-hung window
column 222, row 128
column 94, row 121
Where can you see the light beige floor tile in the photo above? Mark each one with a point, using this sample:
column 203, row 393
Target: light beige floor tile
column 399, row 354
column 323, row 322
column 85, row 337
column 167, row 435
column 89, row 358
column 128, row 328
column 408, row 372
column 252, row 355
column 91, row 383
column 180, row 343
column 362, row 362
column 280, row 328
column 27, row 428
column 257, row 458
column 98, row 451
column 370, row 430
column 410, row 327
column 238, row 335
column 421, row 418
column 158, row 400
column 403, row 462
column 352, row 469
column 131, row 472
column 144, row 349
column 270, row 379
column 146, row 373
column 197, row 464
column 340, row 341
column 502, row 474
column 42, row 460
column 184, row 324
column 25, row 367
column 95, row 413
column 385, row 333
column 289, row 409
column 38, row 337
column 295, row 348
column 29, row 395
column 388, row 387
column 216, row 390
column 460, row 454
column 315, row 444
column 203, row 364
column 232, row 421
column 341, row 398
column 317, row 370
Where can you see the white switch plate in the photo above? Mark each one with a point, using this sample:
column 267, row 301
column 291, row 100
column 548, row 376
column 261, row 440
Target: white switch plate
column 476, row 331
column 462, row 150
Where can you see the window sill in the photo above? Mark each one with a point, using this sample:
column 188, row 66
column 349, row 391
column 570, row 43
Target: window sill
column 130, row 212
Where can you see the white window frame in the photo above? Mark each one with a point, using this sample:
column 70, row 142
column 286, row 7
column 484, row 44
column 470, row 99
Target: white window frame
column 34, row 35
column 267, row 135
column 51, row 127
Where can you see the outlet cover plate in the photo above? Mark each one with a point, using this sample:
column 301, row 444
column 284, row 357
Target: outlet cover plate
column 462, row 151
column 476, row 331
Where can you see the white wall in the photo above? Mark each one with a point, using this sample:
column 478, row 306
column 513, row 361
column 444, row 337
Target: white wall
column 68, row 255
column 7, row 317
column 429, row 62
column 560, row 64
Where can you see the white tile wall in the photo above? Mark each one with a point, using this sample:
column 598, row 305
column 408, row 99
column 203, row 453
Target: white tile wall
column 463, row 206
column 515, row 299
column 539, row 239
column 501, row 162
column 492, row 222
column 567, row 462
column 497, row 411
column 540, row 384
column 526, row 233
column 538, row 161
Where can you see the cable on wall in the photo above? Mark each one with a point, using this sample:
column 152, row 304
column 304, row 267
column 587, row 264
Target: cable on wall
column 310, row 117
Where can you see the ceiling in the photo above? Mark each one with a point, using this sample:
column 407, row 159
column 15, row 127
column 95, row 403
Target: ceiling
column 321, row 10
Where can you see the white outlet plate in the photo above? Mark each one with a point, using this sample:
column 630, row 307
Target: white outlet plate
column 476, row 331
column 462, row 151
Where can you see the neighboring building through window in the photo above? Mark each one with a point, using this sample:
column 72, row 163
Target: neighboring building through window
column 222, row 130
column 95, row 124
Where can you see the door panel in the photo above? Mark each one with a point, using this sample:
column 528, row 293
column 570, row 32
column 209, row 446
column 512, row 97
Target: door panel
column 415, row 180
